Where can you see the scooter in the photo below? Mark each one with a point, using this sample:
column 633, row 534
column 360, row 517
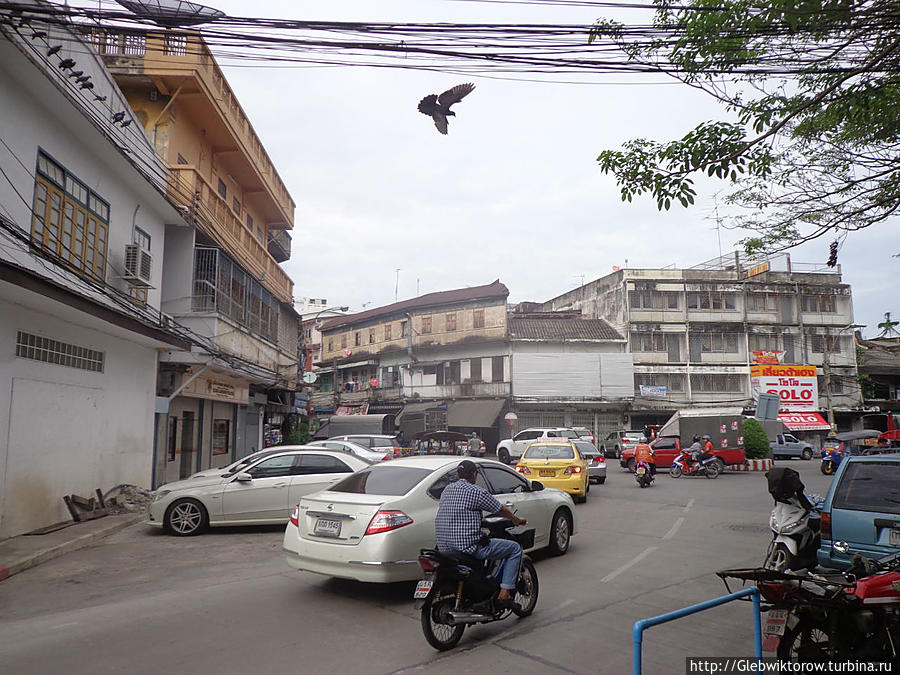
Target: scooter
column 794, row 523
column 643, row 475
column 683, row 465
column 460, row 590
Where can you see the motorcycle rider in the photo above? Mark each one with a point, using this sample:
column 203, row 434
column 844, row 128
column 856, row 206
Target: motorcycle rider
column 458, row 527
column 644, row 453
column 695, row 452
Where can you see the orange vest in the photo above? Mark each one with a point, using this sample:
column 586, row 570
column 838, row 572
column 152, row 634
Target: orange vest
column 643, row 453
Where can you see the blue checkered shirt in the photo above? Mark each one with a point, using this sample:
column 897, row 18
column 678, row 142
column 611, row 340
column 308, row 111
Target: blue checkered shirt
column 457, row 526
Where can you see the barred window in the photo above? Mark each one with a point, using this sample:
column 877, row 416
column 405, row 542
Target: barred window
column 653, row 299
column 69, row 221
column 673, row 381
column 39, row 348
column 818, row 343
column 762, row 302
column 478, row 318
column 763, row 342
column 711, row 300
column 716, row 383
column 648, row 342
column 387, row 331
column 371, row 336
column 451, row 321
column 721, row 343
column 426, row 325
column 820, row 304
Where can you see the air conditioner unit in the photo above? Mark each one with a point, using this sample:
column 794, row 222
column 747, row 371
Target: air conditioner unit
column 138, row 264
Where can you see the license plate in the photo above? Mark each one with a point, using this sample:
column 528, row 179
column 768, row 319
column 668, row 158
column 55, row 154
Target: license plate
column 640, row 471
column 327, row 528
column 423, row 588
column 547, row 473
column 776, row 620
column 894, row 537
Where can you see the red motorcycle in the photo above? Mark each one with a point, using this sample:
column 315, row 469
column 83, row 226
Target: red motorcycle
column 684, row 465
column 849, row 616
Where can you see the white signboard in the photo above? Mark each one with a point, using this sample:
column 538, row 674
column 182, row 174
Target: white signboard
column 654, row 390
column 796, row 386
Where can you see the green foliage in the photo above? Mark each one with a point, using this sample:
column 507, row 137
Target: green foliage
column 295, row 432
column 813, row 86
column 756, row 443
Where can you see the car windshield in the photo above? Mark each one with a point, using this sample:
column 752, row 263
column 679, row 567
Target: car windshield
column 870, row 486
column 637, row 437
column 391, row 481
column 549, row 452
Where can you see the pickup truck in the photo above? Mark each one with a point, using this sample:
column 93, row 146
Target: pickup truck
column 667, row 448
column 786, row 445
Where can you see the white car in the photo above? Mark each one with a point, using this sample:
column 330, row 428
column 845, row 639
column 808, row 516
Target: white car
column 259, row 494
column 243, row 462
column 511, row 449
column 356, row 449
column 371, row 526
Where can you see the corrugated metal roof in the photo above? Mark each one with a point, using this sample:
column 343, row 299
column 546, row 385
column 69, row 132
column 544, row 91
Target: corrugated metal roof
column 561, row 329
column 492, row 290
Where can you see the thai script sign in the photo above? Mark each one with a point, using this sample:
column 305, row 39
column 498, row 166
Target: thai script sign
column 796, row 386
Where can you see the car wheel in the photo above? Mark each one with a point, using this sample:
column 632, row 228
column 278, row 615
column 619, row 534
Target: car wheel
column 629, row 465
column 503, row 455
column 601, row 480
column 721, row 464
column 526, row 589
column 439, row 633
column 186, row 517
column 806, row 454
column 560, row 532
column 618, row 452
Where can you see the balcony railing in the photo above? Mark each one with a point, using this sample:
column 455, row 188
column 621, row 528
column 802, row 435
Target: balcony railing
column 468, row 389
column 189, row 188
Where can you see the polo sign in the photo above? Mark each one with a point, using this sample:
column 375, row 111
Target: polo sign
column 796, row 386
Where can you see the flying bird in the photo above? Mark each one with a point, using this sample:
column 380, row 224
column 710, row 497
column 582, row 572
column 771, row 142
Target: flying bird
column 438, row 107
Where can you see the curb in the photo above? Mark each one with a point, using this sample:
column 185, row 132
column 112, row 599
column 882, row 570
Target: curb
column 41, row 556
column 753, row 465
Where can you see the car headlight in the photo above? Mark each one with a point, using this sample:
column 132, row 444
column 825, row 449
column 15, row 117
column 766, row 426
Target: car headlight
column 159, row 495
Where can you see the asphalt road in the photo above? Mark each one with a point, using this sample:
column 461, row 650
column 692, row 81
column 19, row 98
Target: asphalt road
column 226, row 602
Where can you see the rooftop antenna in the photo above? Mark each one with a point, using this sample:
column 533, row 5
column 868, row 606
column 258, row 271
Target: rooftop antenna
column 396, row 283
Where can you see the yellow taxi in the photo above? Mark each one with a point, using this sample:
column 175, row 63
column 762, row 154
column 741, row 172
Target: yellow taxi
column 557, row 464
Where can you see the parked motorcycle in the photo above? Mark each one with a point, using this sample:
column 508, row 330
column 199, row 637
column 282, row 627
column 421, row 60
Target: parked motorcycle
column 684, row 465
column 643, row 475
column 852, row 616
column 460, row 590
column 794, row 523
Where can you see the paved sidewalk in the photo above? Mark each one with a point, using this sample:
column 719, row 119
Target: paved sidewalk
column 27, row 550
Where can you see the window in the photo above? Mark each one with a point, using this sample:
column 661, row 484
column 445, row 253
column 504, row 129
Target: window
column 716, row 383
column 70, row 221
column 837, row 384
column 720, row 343
column 673, row 382
column 181, row 160
column 221, row 437
column 426, row 325
column 527, row 435
column 504, row 481
column 475, row 370
column 39, row 348
column 820, row 304
column 819, row 343
column 662, row 300
column 318, row 464
column 357, row 339
column 274, row 467
column 711, row 300
column 403, row 328
column 236, row 206
column 762, row 302
column 387, row 331
column 137, row 294
column 648, row 342
column 870, row 486
column 176, row 45
column 478, row 318
column 344, row 341
column 371, row 336
column 223, row 191
column 391, row 481
column 259, row 233
column 540, row 451
column 330, row 344
column 763, row 342
column 451, row 477
column 249, row 222
column 497, row 369
column 451, row 321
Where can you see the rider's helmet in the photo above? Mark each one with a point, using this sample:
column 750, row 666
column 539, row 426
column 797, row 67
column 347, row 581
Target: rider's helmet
column 696, row 438
column 706, row 437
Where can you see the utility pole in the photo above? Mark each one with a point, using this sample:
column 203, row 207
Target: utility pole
column 826, row 371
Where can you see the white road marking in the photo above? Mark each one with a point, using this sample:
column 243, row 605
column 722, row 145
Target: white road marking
column 689, row 505
column 673, row 529
column 624, row 568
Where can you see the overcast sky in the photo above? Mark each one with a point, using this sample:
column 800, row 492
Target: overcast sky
column 513, row 192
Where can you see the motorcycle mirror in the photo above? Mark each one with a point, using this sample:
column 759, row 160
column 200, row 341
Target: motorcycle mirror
column 841, row 546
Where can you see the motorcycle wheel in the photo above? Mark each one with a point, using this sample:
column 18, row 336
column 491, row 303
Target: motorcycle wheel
column 827, row 468
column 439, row 634
column 712, row 470
column 807, row 642
column 675, row 471
column 526, row 589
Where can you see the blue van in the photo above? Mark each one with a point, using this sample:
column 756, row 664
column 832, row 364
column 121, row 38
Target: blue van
column 863, row 509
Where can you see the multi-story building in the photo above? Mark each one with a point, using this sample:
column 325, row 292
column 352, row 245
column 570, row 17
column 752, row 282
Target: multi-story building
column 701, row 335
column 313, row 311
column 223, row 280
column 84, row 222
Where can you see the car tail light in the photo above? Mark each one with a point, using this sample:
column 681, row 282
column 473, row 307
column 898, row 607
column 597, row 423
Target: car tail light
column 428, row 564
column 825, row 526
column 385, row 521
column 521, row 468
column 387, row 457
column 295, row 516
column 397, row 452
column 572, row 469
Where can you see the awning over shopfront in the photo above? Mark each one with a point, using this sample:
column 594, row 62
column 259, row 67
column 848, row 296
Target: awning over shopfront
column 473, row 413
column 804, row 421
column 414, row 408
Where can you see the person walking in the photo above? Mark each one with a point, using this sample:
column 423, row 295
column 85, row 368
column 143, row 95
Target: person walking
column 474, row 445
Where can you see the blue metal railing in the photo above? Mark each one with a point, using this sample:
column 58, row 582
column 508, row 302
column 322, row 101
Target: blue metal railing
column 643, row 624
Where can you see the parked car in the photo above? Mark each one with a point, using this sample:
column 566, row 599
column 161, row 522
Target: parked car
column 377, row 442
column 509, row 450
column 595, row 459
column 786, row 445
column 619, row 441
column 371, row 526
column 557, row 464
column 667, row 448
column 584, row 433
column 354, row 449
column 259, row 494
column 234, row 467
column 862, row 508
